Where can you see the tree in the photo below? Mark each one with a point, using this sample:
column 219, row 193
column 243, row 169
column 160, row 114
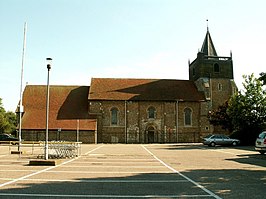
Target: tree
column 244, row 113
column 263, row 78
column 247, row 110
column 12, row 121
column 221, row 118
column 8, row 121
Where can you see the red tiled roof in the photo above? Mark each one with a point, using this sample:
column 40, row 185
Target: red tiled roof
column 67, row 105
column 144, row 89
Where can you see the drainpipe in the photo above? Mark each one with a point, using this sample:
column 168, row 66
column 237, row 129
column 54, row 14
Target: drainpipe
column 125, row 121
column 165, row 134
column 96, row 133
column 211, row 92
column 176, row 121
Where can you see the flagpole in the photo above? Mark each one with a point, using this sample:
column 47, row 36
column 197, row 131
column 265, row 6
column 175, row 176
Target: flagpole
column 21, row 85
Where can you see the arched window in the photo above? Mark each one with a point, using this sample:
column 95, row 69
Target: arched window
column 114, row 116
column 220, row 87
column 151, row 112
column 216, row 68
column 188, row 116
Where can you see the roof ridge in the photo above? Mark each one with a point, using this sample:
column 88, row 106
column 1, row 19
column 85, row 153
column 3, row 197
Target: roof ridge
column 110, row 78
column 56, row 85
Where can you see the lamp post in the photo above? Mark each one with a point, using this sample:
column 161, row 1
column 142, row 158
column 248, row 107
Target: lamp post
column 49, row 63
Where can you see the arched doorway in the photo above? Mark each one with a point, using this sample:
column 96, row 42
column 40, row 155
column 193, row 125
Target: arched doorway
column 150, row 134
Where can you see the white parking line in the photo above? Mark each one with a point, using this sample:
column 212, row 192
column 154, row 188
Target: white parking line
column 94, row 149
column 113, row 166
column 114, row 172
column 100, row 181
column 187, row 178
column 104, row 196
column 41, row 171
column 169, row 170
column 19, row 170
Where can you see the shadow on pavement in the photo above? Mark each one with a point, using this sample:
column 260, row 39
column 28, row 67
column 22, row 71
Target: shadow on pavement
column 224, row 183
column 251, row 159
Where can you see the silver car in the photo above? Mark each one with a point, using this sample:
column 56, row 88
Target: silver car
column 260, row 144
column 219, row 139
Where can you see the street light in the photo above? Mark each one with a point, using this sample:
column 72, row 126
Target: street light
column 49, row 63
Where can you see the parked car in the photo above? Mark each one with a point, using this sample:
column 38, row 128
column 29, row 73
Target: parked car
column 260, row 144
column 219, row 139
column 6, row 138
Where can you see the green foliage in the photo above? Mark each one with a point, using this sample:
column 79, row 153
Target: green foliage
column 220, row 117
column 245, row 113
column 263, row 78
column 247, row 110
column 8, row 121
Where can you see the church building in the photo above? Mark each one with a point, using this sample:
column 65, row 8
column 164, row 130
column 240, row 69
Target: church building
column 122, row 110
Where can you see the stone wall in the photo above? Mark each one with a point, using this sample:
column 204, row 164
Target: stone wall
column 134, row 126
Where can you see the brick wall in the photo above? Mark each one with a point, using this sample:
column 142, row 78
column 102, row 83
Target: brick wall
column 84, row 136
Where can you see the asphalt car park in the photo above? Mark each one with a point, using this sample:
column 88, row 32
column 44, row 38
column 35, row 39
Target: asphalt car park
column 139, row 171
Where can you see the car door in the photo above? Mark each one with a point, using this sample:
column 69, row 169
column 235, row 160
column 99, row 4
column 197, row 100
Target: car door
column 226, row 140
column 218, row 139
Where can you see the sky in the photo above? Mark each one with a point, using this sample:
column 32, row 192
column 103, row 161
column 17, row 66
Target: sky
column 151, row 39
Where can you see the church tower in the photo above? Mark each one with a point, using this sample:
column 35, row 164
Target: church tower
column 213, row 74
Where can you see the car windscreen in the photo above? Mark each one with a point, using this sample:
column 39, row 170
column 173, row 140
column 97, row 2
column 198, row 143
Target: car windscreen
column 208, row 136
column 262, row 135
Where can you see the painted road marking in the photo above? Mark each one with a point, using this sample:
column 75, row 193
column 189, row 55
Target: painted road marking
column 20, row 170
column 42, row 171
column 175, row 171
column 169, row 170
column 104, row 196
column 113, row 166
column 100, row 181
column 103, row 172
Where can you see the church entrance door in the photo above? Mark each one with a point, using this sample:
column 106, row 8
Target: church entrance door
column 150, row 134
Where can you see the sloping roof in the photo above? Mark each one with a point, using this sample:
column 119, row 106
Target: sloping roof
column 207, row 46
column 143, row 89
column 67, row 105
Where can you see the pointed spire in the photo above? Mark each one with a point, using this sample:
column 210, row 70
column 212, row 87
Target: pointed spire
column 207, row 46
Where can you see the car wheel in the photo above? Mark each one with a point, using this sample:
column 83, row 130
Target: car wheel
column 262, row 152
column 234, row 143
column 212, row 144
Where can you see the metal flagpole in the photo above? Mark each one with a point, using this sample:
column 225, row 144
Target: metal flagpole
column 21, row 86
